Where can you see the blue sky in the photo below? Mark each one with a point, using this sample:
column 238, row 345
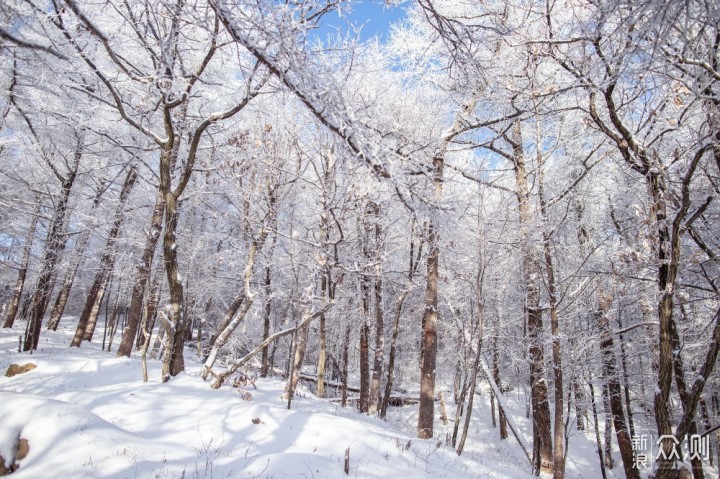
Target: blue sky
column 371, row 17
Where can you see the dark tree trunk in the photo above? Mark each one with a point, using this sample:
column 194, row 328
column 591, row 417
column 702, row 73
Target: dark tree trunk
column 300, row 347
column 88, row 319
column 426, row 410
column 142, row 276
column 542, row 437
column 364, row 402
column 597, row 429
column 344, row 372
column 54, row 246
column 378, row 357
column 612, row 380
column 496, row 378
column 391, row 357
column 62, row 297
column 609, row 462
column 539, row 393
column 266, row 323
column 22, row 272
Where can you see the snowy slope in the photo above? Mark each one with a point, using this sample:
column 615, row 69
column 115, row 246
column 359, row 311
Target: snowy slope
column 87, row 414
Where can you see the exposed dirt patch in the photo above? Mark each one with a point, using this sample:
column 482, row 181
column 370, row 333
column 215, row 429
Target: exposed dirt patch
column 10, row 465
column 15, row 369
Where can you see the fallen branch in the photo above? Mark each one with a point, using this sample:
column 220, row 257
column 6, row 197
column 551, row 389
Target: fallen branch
column 501, row 401
column 218, row 379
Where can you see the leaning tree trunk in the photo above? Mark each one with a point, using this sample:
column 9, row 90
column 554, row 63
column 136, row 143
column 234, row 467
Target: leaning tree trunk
column 242, row 301
column 61, row 300
column 54, row 246
column 88, row 318
column 473, row 374
column 391, row 357
column 597, row 428
column 142, row 276
column 300, row 347
column 22, row 273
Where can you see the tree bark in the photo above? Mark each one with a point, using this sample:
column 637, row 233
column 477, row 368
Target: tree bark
column 612, row 380
column 364, row 402
column 88, row 318
column 267, row 310
column 142, row 276
column 559, row 423
column 301, row 345
column 391, row 357
column 344, row 372
column 609, row 462
column 542, row 444
column 61, row 300
column 426, row 410
column 233, row 318
column 378, row 357
column 22, row 273
column 597, row 429
column 54, row 246
column 496, row 378
column 473, row 382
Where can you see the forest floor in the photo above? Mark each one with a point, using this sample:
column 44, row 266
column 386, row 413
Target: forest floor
column 87, row 414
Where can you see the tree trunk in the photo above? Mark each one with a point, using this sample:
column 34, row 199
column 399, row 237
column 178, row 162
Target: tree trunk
column 54, row 246
column 473, row 382
column 559, row 423
column 539, row 394
column 267, row 310
column 322, row 357
column 80, row 247
column 150, row 310
column 61, row 300
column 597, row 429
column 614, row 390
column 609, row 462
column 344, row 372
column 542, row 444
column 391, row 357
column 364, row 401
column 140, row 282
column 679, row 372
column 378, row 357
column 233, row 318
column 496, row 378
column 92, row 306
column 22, row 272
column 88, row 319
column 426, row 409
column 175, row 364
column 301, row 345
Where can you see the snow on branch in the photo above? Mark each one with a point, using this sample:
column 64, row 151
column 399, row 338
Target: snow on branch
column 220, row 378
column 273, row 42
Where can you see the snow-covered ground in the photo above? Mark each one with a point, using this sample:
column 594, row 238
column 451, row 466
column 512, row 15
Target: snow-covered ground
column 87, row 414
